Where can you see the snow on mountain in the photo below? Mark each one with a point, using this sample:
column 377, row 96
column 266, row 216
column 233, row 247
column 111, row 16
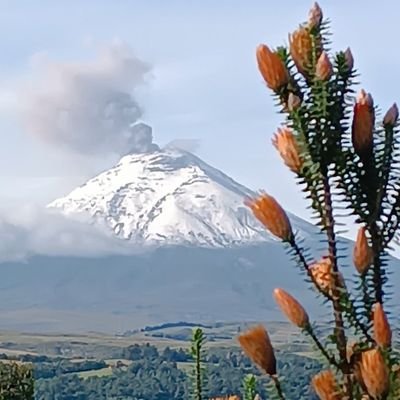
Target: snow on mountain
column 168, row 197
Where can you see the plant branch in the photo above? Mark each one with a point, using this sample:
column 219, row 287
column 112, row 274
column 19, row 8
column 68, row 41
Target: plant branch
column 278, row 386
column 355, row 319
column 303, row 262
column 351, row 308
column 376, row 248
column 331, row 359
column 337, row 311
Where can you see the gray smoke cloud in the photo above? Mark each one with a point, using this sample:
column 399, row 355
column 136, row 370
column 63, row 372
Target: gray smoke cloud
column 90, row 107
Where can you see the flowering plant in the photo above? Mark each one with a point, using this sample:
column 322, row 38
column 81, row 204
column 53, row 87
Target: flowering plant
column 343, row 156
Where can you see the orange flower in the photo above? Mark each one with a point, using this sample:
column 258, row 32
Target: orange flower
column 355, row 360
column 325, row 386
column 363, row 124
column 272, row 68
column 257, row 345
column 301, row 49
column 348, row 56
column 323, row 69
column 293, row 310
column 285, row 142
column 391, row 116
column 323, row 276
column 362, row 253
column 374, row 373
column 268, row 211
column 315, row 16
column 382, row 331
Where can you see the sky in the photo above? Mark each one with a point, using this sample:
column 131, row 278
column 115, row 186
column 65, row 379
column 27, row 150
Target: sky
column 195, row 79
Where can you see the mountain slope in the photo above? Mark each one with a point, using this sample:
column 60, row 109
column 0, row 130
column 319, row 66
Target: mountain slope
column 168, row 197
column 208, row 259
column 118, row 293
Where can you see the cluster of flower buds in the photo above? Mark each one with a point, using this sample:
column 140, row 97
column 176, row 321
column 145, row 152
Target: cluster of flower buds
column 306, row 49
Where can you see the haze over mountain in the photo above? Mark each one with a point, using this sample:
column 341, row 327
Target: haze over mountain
column 197, row 254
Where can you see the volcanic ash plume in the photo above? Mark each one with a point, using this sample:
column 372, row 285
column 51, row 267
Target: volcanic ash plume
column 91, row 107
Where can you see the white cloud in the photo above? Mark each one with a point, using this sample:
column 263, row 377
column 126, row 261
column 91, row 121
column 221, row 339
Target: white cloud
column 32, row 230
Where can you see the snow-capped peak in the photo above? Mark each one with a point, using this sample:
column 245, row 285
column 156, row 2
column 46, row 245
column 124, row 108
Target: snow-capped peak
column 167, row 197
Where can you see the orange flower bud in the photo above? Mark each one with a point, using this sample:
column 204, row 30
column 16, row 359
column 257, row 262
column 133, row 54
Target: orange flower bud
column 348, row 56
column 292, row 309
column 257, row 346
column 285, row 142
column 293, row 102
column 315, row 16
column 268, row 211
column 391, row 116
column 300, row 49
column 325, row 386
column 382, row 331
column 323, row 69
column 362, row 253
column 374, row 373
column 363, row 124
column 396, row 371
column 272, row 68
column 323, row 276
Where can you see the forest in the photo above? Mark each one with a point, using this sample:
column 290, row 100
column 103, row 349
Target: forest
column 145, row 372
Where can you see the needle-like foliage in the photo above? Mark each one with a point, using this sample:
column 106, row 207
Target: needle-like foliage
column 344, row 157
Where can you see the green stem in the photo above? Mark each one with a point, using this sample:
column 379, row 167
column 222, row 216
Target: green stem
column 198, row 373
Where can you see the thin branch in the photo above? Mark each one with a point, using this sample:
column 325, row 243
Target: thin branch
column 278, row 386
column 303, row 262
column 331, row 359
column 357, row 322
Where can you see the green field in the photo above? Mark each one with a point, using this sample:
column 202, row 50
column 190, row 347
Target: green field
column 97, row 372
